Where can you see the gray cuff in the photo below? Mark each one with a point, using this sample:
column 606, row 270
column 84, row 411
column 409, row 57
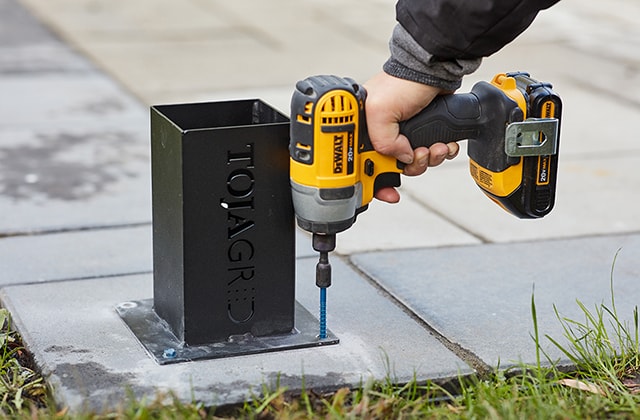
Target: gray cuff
column 411, row 62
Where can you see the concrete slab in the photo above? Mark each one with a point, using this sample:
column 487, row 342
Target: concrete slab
column 217, row 64
column 68, row 100
column 228, row 44
column 85, row 254
column 39, row 59
column 103, row 18
column 26, row 47
column 92, row 360
column 74, row 145
column 55, row 177
column 408, row 224
column 480, row 296
column 608, row 41
column 594, row 196
column 18, row 26
column 75, row 255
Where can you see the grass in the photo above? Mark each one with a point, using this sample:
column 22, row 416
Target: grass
column 20, row 384
column 605, row 383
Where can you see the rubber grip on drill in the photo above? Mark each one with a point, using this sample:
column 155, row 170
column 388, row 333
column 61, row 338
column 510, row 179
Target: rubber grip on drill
column 446, row 119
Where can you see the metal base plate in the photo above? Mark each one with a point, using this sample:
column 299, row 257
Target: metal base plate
column 163, row 346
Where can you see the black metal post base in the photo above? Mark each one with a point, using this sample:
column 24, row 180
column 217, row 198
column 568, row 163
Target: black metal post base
column 162, row 345
column 223, row 223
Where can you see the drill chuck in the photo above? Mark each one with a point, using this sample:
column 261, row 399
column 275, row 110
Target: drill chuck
column 323, row 271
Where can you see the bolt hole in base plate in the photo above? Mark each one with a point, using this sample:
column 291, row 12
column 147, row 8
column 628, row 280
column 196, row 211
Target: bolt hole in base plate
column 163, row 346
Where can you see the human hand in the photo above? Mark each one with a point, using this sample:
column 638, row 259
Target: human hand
column 391, row 100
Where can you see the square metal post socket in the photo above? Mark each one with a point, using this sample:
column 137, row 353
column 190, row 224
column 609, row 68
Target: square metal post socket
column 223, row 224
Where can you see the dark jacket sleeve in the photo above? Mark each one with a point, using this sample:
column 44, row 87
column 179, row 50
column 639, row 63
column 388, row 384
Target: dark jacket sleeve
column 467, row 28
column 437, row 42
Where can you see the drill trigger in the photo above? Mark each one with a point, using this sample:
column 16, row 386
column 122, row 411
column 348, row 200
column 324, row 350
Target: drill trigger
column 386, row 179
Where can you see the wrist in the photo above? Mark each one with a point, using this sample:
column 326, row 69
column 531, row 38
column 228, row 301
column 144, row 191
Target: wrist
column 396, row 69
column 410, row 61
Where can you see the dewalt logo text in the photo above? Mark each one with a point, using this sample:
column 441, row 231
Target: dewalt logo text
column 338, row 153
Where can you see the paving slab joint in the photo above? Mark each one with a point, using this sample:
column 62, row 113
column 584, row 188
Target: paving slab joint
column 447, row 218
column 72, row 229
column 470, row 358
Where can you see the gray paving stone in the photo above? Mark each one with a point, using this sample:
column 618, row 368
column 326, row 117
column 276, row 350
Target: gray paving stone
column 92, row 360
column 594, row 197
column 480, row 296
column 40, row 59
column 86, row 254
column 102, row 19
column 62, row 177
column 26, row 47
column 75, row 255
column 19, row 27
column 228, row 46
column 67, row 100
column 74, row 146
column 242, row 65
column 408, row 224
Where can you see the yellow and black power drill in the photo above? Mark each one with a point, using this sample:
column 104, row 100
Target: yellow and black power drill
column 512, row 125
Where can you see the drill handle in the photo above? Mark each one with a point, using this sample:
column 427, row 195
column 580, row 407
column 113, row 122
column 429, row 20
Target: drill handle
column 446, row 119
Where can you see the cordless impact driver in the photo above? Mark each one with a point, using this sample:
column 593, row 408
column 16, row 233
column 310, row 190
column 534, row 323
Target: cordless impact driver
column 512, row 126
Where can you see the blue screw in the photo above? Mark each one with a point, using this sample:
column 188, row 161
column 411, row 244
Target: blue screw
column 169, row 353
column 323, row 313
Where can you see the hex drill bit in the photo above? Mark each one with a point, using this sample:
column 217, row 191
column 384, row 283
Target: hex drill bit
column 323, row 244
